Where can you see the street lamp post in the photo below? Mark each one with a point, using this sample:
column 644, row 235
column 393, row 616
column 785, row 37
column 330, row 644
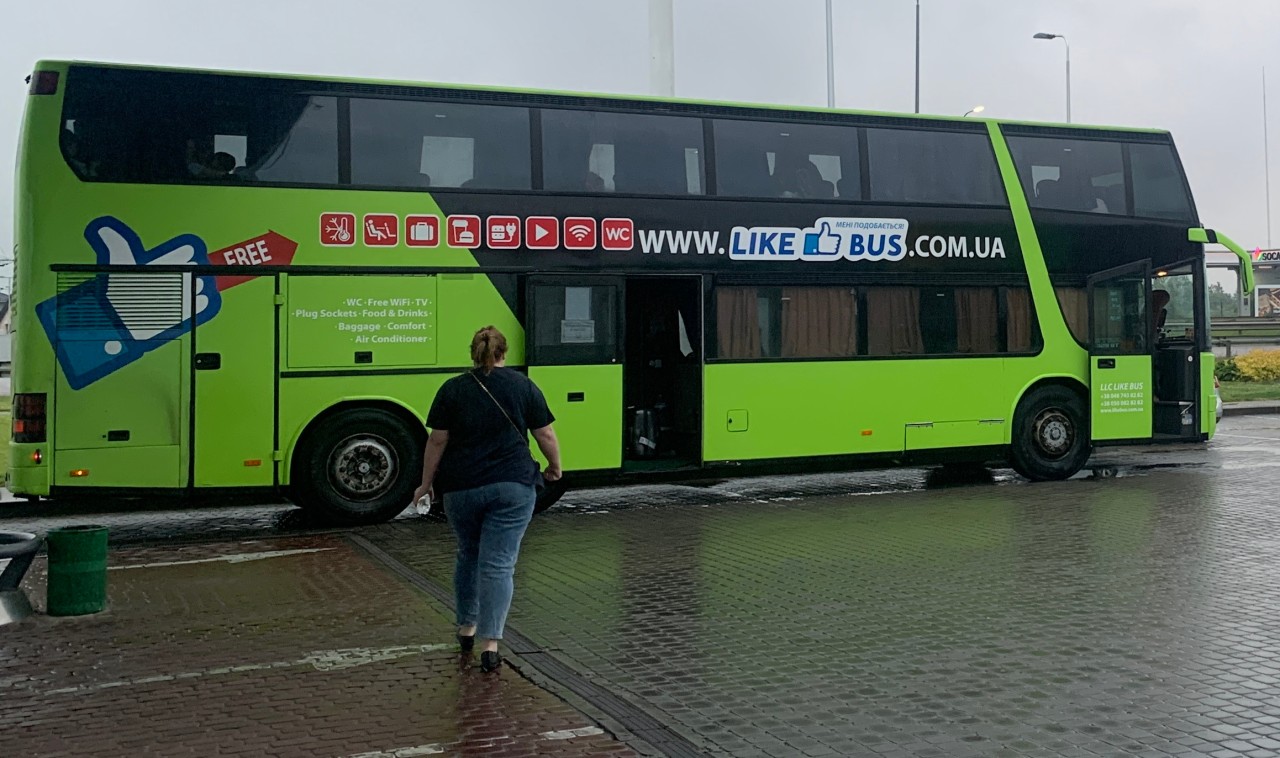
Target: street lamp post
column 662, row 53
column 976, row 109
column 917, row 56
column 1266, row 153
column 831, row 62
column 1046, row 35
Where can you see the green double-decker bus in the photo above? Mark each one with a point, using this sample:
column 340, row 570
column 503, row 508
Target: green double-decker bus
column 253, row 285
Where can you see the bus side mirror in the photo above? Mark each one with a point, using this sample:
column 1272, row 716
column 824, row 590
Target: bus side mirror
column 1203, row 236
column 1207, row 236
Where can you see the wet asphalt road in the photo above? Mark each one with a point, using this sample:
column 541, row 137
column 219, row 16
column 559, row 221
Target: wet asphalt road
column 1241, row 441
column 1130, row 611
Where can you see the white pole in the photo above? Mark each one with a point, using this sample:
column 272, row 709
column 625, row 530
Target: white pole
column 1063, row 37
column 917, row 56
column 1266, row 152
column 831, row 63
column 662, row 65
column 1068, row 44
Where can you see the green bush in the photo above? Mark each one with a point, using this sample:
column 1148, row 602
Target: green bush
column 1259, row 366
column 1226, row 370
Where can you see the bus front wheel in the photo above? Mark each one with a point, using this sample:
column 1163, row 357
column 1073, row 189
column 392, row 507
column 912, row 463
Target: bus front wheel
column 1050, row 434
column 359, row 467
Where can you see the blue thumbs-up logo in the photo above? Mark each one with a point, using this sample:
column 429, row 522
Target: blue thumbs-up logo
column 108, row 322
column 822, row 244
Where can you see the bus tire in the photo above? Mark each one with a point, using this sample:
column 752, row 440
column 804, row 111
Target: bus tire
column 360, row 466
column 1050, row 434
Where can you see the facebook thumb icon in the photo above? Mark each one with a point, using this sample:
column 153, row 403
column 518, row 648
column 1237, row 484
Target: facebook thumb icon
column 822, row 243
column 105, row 323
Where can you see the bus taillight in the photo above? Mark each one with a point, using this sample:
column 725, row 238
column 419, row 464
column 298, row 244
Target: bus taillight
column 29, row 421
column 44, row 83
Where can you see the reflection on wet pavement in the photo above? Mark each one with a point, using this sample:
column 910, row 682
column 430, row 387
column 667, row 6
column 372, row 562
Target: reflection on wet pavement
column 1095, row 616
column 906, row 613
column 284, row 647
column 1243, row 442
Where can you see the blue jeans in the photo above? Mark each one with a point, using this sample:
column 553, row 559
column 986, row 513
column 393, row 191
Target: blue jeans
column 489, row 523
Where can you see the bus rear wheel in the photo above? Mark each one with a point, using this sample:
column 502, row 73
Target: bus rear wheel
column 1050, row 434
column 360, row 466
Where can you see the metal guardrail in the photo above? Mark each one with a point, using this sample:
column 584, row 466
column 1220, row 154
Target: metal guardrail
column 1245, row 327
column 1233, row 332
column 1230, row 344
column 20, row 549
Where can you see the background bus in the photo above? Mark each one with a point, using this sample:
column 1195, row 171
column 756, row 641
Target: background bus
column 247, row 283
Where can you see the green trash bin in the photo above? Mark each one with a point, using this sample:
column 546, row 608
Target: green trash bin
column 77, row 570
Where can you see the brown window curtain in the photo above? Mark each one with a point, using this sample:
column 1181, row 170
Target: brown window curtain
column 819, row 322
column 1018, row 321
column 737, row 322
column 893, row 321
column 1075, row 309
column 977, row 320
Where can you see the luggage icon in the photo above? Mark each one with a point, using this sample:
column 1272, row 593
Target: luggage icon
column 422, row 232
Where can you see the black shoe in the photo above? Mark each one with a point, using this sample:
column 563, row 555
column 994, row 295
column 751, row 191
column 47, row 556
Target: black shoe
column 490, row 660
column 465, row 644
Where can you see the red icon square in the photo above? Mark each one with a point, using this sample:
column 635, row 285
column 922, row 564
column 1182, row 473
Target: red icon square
column 580, row 233
column 422, row 231
column 542, row 232
column 337, row 229
column 503, row 232
column 464, row 231
column 381, row 229
column 617, row 234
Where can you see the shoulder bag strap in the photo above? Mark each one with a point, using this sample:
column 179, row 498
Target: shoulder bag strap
column 500, row 408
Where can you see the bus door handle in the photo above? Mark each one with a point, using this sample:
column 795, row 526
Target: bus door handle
column 1106, row 363
column 208, row 361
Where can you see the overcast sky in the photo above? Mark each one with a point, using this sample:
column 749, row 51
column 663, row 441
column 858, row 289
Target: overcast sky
column 1191, row 66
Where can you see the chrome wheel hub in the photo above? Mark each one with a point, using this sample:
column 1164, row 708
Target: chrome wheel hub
column 362, row 467
column 1054, row 433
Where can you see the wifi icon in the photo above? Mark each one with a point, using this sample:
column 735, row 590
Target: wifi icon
column 580, row 233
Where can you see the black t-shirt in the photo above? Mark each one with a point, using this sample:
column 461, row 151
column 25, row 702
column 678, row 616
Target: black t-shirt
column 483, row 447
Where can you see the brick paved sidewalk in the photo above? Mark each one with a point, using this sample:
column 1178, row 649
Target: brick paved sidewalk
column 278, row 647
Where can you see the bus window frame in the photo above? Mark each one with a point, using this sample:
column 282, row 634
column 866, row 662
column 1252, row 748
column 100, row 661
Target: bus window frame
column 1096, row 280
column 534, row 103
column 1200, row 305
column 1002, row 285
column 1124, row 140
column 535, row 355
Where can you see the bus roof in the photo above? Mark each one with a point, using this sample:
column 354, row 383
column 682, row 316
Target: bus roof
column 594, row 95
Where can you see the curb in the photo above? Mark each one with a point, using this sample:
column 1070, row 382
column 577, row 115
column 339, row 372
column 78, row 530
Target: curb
column 1241, row 409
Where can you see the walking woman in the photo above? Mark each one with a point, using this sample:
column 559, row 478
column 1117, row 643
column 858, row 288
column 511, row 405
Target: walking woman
column 478, row 460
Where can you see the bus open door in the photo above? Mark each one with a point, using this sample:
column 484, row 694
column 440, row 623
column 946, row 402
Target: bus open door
column 1121, row 334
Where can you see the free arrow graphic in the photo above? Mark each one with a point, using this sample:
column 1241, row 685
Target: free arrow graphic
column 270, row 249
